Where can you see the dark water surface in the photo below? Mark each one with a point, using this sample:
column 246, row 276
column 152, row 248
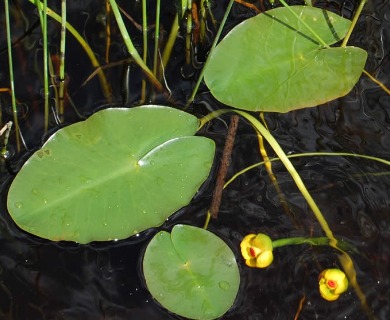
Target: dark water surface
column 45, row 280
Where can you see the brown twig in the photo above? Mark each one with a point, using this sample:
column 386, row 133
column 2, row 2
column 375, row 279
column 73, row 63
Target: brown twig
column 249, row 5
column 300, row 307
column 227, row 151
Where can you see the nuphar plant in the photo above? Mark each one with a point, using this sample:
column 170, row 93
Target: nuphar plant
column 123, row 171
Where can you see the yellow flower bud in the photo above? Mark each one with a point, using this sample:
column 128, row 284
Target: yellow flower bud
column 257, row 250
column 332, row 283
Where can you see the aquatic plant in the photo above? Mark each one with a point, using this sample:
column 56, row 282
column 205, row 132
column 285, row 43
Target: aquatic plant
column 147, row 162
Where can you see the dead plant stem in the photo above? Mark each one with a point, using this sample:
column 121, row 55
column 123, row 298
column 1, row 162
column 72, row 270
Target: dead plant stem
column 227, row 152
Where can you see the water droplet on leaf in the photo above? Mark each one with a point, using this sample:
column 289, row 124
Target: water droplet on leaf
column 18, row 205
column 224, row 285
column 159, row 181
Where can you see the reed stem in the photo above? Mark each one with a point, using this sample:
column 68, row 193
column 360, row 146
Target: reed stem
column 11, row 75
column 130, row 46
column 86, row 47
column 145, row 46
column 156, row 38
column 62, row 61
column 42, row 10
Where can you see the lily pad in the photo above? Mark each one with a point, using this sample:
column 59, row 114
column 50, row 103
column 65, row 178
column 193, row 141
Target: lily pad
column 117, row 173
column 272, row 62
column 191, row 272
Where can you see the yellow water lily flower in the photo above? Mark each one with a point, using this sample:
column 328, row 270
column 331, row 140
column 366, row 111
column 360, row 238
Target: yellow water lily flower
column 332, row 283
column 257, row 250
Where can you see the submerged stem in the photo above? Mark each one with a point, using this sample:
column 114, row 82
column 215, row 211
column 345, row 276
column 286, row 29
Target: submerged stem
column 296, row 177
column 217, row 36
column 271, row 175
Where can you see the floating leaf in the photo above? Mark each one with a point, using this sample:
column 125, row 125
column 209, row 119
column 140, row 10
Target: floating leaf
column 271, row 62
column 191, row 272
column 116, row 174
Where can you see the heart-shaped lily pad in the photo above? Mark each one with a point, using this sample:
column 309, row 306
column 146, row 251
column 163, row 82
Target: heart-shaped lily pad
column 118, row 173
column 191, row 272
column 272, row 62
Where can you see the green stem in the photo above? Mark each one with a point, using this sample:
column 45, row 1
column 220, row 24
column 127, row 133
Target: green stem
column 45, row 63
column 344, row 258
column 218, row 35
column 130, row 47
column 208, row 216
column 156, row 38
column 353, row 24
column 144, row 30
column 86, row 47
column 211, row 116
column 188, row 33
column 171, row 38
column 287, row 163
column 314, row 241
column 308, row 154
column 145, row 46
column 11, row 75
column 62, row 60
column 318, row 241
column 169, row 46
column 42, row 9
column 305, row 24
column 291, row 169
column 380, row 84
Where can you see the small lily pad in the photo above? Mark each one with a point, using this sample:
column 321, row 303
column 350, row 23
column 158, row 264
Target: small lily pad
column 191, row 272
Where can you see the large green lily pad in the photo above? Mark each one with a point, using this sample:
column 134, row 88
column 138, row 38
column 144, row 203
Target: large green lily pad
column 191, row 272
column 272, row 62
column 116, row 174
